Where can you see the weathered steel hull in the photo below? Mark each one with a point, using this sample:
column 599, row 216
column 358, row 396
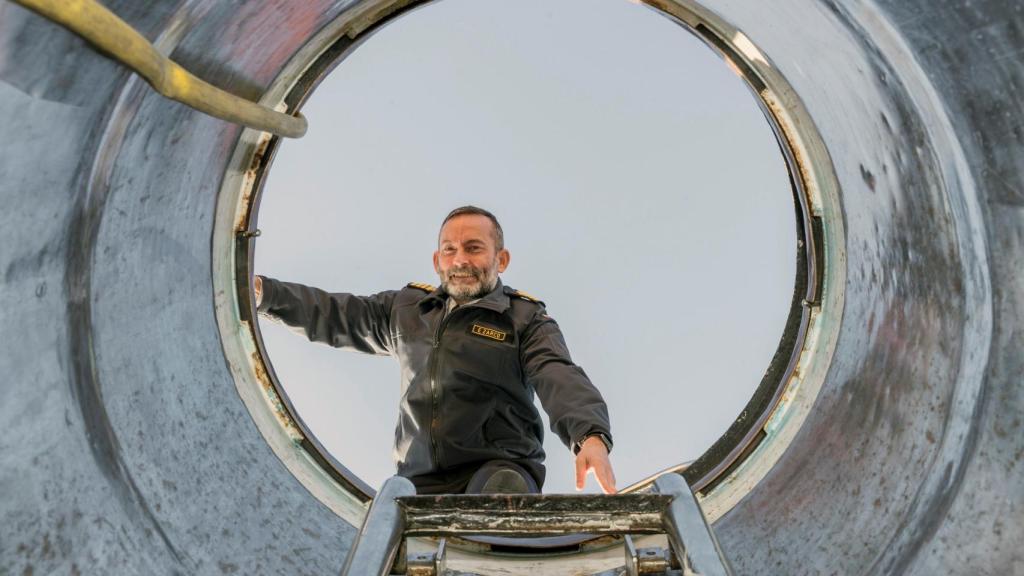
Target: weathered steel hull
column 127, row 449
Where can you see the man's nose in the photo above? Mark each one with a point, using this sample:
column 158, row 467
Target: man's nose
column 460, row 258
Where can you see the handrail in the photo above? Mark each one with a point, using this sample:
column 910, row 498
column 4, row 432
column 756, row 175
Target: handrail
column 647, row 483
column 114, row 37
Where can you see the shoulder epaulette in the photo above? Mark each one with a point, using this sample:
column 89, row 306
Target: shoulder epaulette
column 421, row 286
column 525, row 296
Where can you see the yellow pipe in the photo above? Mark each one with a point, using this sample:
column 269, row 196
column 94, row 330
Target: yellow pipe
column 112, row 36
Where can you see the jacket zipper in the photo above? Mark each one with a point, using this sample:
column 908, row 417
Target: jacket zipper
column 435, row 387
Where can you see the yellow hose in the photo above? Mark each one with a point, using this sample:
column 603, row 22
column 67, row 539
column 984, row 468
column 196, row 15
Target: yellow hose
column 115, row 38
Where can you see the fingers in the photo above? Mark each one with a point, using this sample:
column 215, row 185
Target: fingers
column 581, row 472
column 605, row 477
column 602, row 469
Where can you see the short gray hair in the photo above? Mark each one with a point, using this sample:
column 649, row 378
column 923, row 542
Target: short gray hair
column 499, row 234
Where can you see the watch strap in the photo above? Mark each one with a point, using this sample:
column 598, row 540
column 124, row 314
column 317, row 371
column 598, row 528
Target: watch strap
column 600, row 435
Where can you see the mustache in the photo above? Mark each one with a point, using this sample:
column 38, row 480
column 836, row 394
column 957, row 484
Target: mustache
column 476, row 272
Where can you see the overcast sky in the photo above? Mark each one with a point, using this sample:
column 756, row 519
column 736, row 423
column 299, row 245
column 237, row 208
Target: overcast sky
column 642, row 194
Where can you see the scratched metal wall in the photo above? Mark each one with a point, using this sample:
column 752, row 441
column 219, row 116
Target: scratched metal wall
column 126, row 449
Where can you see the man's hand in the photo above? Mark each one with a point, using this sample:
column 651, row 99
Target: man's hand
column 257, row 288
column 593, row 456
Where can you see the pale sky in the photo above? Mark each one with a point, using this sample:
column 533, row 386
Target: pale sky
column 642, row 193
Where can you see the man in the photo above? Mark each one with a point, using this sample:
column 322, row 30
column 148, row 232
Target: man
column 472, row 352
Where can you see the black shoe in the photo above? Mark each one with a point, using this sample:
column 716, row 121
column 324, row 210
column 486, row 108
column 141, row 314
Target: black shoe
column 505, row 481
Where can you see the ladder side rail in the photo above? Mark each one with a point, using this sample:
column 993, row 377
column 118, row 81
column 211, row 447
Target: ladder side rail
column 382, row 533
column 688, row 532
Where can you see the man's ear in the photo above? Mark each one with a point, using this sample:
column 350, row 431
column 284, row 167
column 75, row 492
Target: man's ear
column 504, row 257
column 437, row 268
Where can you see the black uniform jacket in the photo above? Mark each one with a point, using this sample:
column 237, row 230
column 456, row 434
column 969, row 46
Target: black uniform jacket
column 468, row 377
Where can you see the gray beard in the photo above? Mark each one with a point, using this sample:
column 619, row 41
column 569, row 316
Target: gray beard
column 463, row 294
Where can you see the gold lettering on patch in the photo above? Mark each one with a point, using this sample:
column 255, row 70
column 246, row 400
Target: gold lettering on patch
column 489, row 333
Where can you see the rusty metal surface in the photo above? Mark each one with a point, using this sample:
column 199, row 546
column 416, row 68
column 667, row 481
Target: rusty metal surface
column 127, row 449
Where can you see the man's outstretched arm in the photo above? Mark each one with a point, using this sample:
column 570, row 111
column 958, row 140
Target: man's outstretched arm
column 341, row 320
column 577, row 411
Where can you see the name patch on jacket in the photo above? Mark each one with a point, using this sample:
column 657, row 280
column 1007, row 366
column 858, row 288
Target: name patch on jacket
column 489, row 332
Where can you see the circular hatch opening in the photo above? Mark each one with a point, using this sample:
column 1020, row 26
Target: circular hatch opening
column 612, row 253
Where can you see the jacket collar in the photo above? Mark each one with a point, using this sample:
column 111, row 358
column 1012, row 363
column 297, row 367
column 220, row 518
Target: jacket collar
column 496, row 299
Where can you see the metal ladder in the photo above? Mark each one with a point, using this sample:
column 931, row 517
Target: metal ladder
column 671, row 508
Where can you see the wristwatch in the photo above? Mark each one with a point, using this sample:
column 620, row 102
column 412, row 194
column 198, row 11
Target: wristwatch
column 600, row 435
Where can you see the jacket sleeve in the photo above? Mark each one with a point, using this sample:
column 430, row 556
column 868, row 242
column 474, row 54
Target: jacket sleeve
column 360, row 323
column 574, row 406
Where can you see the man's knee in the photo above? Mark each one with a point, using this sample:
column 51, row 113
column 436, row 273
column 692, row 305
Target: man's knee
column 502, row 477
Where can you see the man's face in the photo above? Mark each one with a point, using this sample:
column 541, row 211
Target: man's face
column 467, row 259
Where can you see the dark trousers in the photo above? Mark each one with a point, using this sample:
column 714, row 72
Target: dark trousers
column 469, row 479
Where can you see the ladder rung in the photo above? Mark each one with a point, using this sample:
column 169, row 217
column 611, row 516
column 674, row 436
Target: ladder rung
column 534, row 514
